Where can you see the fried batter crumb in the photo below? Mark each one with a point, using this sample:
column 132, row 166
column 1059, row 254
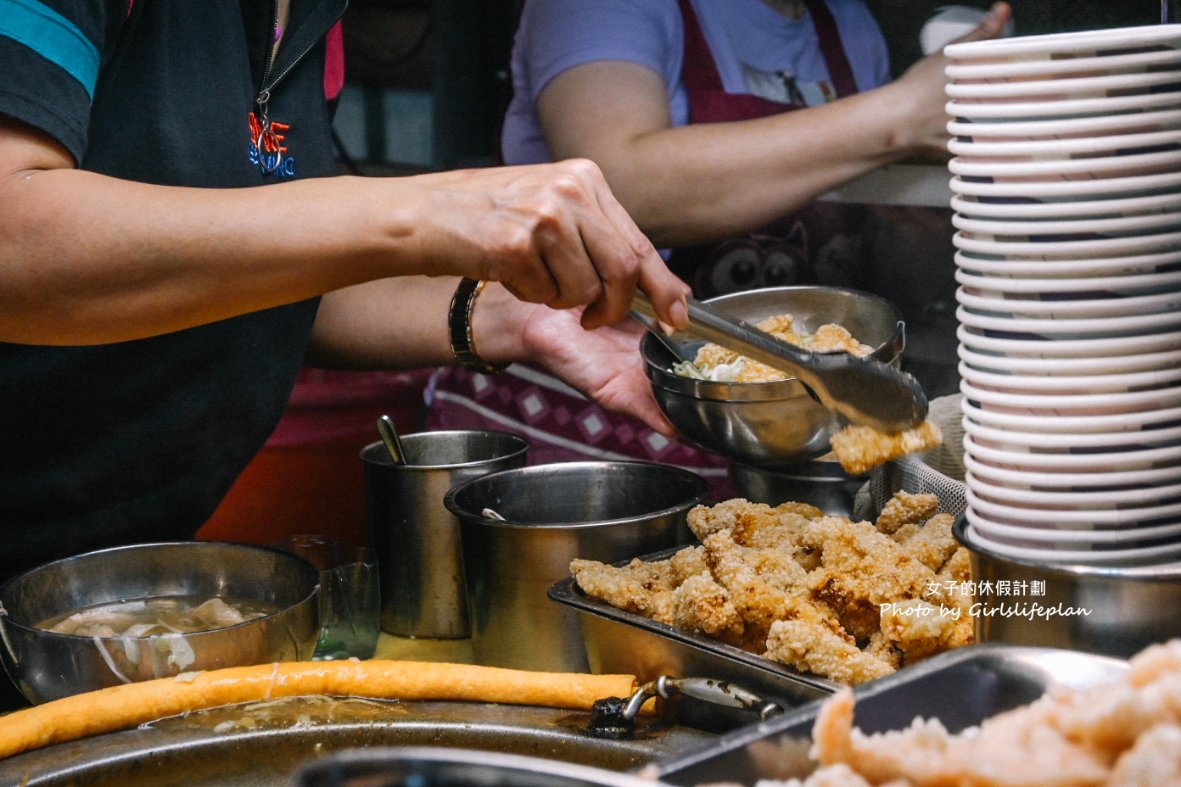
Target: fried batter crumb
column 859, row 448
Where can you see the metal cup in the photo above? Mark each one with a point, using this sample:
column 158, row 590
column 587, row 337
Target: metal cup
column 419, row 555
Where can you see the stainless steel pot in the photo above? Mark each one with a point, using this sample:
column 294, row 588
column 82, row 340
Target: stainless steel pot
column 552, row 514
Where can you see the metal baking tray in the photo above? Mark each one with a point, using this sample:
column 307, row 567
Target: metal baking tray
column 619, row 642
column 961, row 688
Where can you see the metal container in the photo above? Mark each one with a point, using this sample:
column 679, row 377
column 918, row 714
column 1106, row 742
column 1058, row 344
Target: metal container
column 771, row 423
column 420, row 560
column 1111, row 610
column 820, row 482
column 621, row 642
column 960, row 687
column 437, row 767
column 552, row 514
column 264, row 744
column 46, row 665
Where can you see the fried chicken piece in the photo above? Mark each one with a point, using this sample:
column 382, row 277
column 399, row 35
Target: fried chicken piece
column 822, row 647
column 686, row 563
column 862, row 569
column 1121, row 733
column 827, row 338
column 918, row 629
column 726, row 515
column 642, row 587
column 905, row 508
column 831, row 337
column 1155, row 759
column 859, row 448
column 702, row 605
column 932, row 543
column 765, row 586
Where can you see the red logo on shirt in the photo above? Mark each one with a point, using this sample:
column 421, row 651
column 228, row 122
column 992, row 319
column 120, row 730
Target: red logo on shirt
column 267, row 150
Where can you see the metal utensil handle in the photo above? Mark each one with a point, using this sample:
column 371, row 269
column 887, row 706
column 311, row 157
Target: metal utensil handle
column 717, row 692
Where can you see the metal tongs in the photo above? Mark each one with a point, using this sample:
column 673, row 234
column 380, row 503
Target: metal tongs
column 615, row 717
column 863, row 390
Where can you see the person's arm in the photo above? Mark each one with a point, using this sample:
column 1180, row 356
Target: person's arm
column 708, row 181
column 86, row 258
column 403, row 322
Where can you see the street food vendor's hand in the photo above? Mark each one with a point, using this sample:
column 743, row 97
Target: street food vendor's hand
column 554, row 234
column 923, row 87
column 604, row 364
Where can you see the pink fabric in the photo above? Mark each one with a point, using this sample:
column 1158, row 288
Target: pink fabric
column 334, row 62
column 329, row 405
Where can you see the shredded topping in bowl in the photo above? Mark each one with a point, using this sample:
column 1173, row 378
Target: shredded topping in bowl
column 718, row 364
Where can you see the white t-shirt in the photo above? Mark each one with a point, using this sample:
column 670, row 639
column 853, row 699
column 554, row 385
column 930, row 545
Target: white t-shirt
column 753, row 47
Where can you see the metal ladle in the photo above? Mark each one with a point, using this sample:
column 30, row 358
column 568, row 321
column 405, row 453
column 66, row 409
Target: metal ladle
column 389, row 436
column 863, row 390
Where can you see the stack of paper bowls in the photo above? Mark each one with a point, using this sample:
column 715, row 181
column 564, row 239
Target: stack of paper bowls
column 1067, row 202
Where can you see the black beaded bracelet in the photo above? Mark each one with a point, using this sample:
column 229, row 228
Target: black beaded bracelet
column 459, row 323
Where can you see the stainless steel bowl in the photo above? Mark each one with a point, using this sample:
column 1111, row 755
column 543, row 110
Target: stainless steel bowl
column 552, row 514
column 1112, row 611
column 773, row 423
column 46, row 665
column 820, row 482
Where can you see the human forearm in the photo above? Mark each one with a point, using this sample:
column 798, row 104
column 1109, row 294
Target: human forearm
column 705, row 182
column 92, row 259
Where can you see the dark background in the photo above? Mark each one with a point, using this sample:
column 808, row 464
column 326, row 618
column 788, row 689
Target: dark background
column 458, row 50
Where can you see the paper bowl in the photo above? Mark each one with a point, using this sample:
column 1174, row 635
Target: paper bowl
column 1062, row 108
column 1019, row 169
column 1076, row 480
column 1037, row 367
column 1093, row 500
column 1076, row 286
column 1064, row 552
column 1069, row 423
column 1064, row 88
column 1114, row 526
column 1087, row 43
column 1057, row 442
column 1048, row 404
column 1132, row 245
column 1027, row 191
column 1017, row 209
column 1048, row 230
column 1060, row 148
column 1053, row 329
column 1017, row 267
column 1069, row 384
column 1102, row 305
column 1009, row 69
column 1007, row 343
column 1023, row 458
